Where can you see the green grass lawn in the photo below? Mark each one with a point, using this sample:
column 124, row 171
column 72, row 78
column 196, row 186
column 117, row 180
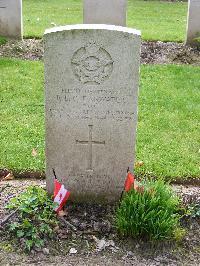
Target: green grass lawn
column 21, row 115
column 167, row 136
column 157, row 20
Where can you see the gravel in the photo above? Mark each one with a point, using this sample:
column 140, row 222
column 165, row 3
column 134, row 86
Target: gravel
column 95, row 242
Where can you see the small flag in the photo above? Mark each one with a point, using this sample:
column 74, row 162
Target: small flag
column 130, row 182
column 61, row 195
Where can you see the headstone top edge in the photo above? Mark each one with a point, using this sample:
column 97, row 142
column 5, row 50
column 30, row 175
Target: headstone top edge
column 92, row 27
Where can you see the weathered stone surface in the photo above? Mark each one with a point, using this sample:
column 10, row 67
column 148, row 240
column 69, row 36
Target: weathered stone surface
column 111, row 12
column 11, row 18
column 91, row 80
column 193, row 23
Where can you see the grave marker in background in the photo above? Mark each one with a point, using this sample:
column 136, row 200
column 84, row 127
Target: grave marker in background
column 111, row 12
column 11, row 18
column 193, row 23
column 91, row 108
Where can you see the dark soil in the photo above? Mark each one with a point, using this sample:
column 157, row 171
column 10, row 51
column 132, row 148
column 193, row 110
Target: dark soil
column 28, row 49
column 169, row 53
column 90, row 237
column 152, row 52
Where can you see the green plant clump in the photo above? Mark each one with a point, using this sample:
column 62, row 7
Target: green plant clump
column 36, row 217
column 150, row 213
column 3, row 40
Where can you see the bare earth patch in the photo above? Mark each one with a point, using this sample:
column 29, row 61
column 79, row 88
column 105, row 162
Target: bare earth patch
column 92, row 239
column 169, row 53
column 152, row 52
column 29, row 49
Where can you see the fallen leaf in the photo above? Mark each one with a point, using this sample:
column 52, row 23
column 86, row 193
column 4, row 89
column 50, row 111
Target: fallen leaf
column 101, row 244
column 45, row 251
column 3, row 173
column 72, row 251
column 140, row 189
column 34, row 152
column 62, row 213
column 139, row 164
column 56, row 228
column 9, row 176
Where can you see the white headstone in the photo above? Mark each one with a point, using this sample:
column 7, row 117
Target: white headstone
column 193, row 24
column 111, row 12
column 11, row 18
column 91, row 81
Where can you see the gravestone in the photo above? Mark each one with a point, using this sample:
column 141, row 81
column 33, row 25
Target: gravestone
column 193, row 23
column 111, row 12
column 91, row 82
column 11, row 18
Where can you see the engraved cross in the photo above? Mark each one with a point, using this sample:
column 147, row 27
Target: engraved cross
column 90, row 142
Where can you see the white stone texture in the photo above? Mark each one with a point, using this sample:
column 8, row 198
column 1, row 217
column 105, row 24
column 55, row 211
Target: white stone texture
column 111, row 12
column 11, row 18
column 193, row 23
column 91, row 82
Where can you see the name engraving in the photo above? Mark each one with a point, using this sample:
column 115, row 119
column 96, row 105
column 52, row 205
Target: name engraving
column 93, row 103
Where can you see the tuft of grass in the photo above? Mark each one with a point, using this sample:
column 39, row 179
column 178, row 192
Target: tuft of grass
column 150, row 213
column 157, row 20
column 3, row 40
column 196, row 41
column 168, row 122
